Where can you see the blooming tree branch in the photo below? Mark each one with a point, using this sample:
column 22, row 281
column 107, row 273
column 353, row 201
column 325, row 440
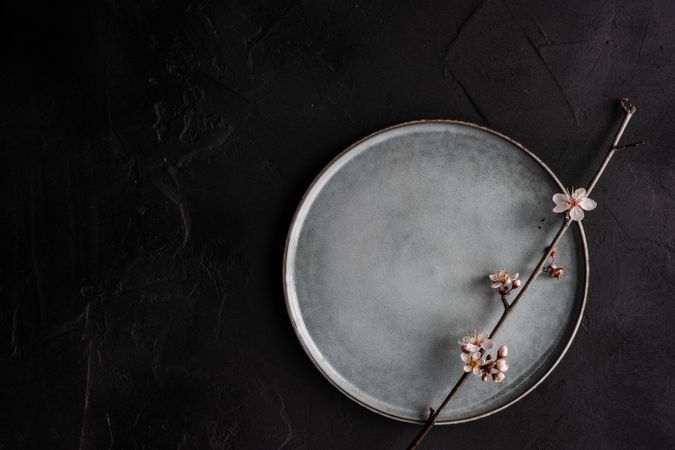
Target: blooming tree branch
column 476, row 345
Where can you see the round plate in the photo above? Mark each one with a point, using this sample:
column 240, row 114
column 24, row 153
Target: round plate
column 387, row 262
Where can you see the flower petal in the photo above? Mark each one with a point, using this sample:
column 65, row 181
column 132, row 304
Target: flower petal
column 465, row 357
column 477, row 371
column 561, row 207
column 515, row 276
column 495, row 285
column 493, row 277
column 577, row 213
column 488, row 344
column 580, row 194
column 588, row 204
column 559, row 198
column 472, row 348
column 467, row 369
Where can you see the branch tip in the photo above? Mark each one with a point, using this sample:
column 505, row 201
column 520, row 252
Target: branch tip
column 626, row 105
column 634, row 144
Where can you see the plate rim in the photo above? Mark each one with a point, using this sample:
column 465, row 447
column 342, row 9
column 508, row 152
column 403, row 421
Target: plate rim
column 287, row 300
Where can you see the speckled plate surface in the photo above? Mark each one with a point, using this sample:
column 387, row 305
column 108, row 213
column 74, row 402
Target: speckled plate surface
column 387, row 264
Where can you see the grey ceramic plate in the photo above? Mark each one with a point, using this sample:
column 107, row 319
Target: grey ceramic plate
column 387, row 264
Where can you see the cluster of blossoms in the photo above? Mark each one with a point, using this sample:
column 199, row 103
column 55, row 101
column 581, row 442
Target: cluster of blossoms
column 474, row 346
column 504, row 281
column 574, row 202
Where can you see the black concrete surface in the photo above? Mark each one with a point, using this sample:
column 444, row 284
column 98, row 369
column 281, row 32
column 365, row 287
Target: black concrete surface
column 153, row 154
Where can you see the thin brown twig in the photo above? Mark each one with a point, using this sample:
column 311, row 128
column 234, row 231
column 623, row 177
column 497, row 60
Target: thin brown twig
column 505, row 302
column 629, row 110
column 633, row 144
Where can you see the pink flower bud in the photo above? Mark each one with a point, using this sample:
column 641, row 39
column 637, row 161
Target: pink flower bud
column 501, row 365
column 516, row 284
column 484, row 377
column 557, row 272
column 554, row 251
column 488, row 357
column 503, row 351
column 498, row 377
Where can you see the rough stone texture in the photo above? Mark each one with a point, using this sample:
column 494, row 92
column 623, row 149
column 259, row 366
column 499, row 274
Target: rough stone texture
column 154, row 153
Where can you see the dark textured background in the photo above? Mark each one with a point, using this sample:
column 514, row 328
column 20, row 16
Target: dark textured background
column 154, row 153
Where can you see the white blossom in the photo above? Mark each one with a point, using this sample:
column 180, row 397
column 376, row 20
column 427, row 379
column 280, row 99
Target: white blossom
column 574, row 202
column 471, row 343
column 473, row 363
